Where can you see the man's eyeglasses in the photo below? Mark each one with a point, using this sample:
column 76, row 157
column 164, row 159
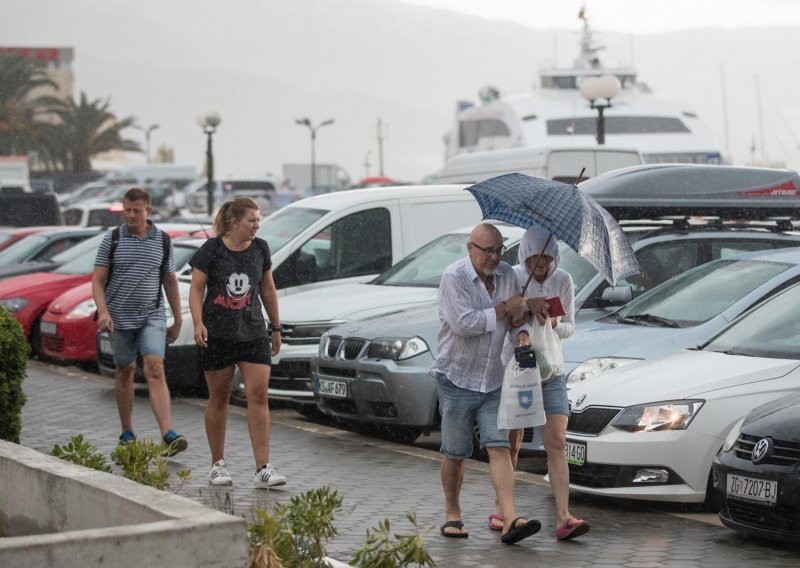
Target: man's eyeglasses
column 489, row 250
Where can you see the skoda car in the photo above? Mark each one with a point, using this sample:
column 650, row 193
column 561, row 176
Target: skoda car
column 650, row 430
column 758, row 472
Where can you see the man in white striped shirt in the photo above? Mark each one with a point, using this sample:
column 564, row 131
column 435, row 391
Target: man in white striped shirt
column 126, row 286
column 477, row 297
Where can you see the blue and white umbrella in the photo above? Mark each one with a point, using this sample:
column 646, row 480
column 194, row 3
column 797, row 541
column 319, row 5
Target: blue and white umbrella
column 572, row 217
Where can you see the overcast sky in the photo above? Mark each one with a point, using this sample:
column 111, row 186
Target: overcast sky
column 632, row 16
column 262, row 64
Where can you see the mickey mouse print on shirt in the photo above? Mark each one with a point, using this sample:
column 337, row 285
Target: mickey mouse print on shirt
column 239, row 293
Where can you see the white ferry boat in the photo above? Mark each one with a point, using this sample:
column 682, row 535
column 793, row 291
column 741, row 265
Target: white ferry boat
column 557, row 116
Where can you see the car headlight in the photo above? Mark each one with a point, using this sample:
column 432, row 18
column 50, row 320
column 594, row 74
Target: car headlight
column 83, row 310
column 591, row 367
column 658, row 416
column 14, row 304
column 396, row 348
column 732, row 436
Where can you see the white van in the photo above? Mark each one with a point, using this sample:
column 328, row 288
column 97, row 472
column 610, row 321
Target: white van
column 351, row 236
column 562, row 164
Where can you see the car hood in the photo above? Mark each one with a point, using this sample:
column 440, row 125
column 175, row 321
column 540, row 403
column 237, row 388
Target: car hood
column 421, row 321
column 677, row 375
column 40, row 284
column 351, row 301
column 779, row 419
column 71, row 298
column 601, row 339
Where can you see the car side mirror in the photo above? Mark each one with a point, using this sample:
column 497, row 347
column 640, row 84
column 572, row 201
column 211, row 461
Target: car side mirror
column 617, row 295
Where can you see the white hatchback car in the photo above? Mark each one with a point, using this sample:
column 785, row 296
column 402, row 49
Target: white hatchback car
column 650, row 430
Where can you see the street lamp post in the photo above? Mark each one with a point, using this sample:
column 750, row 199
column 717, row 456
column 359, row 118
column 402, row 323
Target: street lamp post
column 313, row 129
column 209, row 125
column 593, row 88
column 147, row 132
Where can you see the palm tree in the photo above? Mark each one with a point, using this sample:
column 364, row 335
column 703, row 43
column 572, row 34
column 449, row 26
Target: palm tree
column 21, row 115
column 85, row 129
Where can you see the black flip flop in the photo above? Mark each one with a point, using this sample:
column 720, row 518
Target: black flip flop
column 453, row 524
column 519, row 530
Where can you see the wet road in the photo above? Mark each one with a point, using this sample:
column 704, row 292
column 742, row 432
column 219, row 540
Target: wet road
column 383, row 480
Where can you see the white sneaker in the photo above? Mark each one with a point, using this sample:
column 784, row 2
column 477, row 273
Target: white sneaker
column 267, row 477
column 219, row 474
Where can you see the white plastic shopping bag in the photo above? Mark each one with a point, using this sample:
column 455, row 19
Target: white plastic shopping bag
column 547, row 346
column 521, row 399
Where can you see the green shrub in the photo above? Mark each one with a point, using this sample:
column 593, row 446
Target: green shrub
column 81, row 452
column 294, row 536
column 142, row 461
column 13, row 358
column 385, row 550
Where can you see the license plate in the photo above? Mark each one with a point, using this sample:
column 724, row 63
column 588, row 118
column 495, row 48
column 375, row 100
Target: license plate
column 337, row 389
column 750, row 489
column 48, row 328
column 105, row 346
column 576, row 453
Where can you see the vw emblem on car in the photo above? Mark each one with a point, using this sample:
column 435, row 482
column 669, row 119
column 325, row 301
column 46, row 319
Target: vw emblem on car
column 762, row 450
column 580, row 400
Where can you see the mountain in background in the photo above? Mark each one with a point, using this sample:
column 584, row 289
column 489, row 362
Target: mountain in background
column 261, row 64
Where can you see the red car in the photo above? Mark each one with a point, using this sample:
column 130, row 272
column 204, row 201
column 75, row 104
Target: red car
column 68, row 328
column 9, row 236
column 28, row 296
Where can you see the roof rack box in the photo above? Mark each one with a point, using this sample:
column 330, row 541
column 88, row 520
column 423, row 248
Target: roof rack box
column 729, row 192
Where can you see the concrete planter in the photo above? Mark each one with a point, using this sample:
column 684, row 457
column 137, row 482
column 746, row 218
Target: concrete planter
column 54, row 513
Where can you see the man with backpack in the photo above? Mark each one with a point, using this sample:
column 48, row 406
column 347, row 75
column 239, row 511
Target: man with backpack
column 133, row 262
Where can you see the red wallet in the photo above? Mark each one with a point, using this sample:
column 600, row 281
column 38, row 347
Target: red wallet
column 556, row 307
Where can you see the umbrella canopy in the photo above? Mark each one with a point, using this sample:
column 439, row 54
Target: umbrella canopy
column 572, row 217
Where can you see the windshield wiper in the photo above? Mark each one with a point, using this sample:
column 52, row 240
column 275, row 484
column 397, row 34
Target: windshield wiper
column 640, row 319
column 732, row 352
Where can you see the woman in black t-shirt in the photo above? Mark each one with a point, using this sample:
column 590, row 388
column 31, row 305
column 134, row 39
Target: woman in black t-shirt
column 231, row 277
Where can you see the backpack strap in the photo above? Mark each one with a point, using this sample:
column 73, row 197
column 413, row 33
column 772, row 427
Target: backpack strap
column 112, row 249
column 165, row 241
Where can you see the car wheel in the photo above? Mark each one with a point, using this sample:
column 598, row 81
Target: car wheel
column 310, row 411
column 713, row 500
column 399, row 434
column 35, row 340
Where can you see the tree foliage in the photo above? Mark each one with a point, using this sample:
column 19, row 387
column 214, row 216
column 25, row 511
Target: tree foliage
column 65, row 134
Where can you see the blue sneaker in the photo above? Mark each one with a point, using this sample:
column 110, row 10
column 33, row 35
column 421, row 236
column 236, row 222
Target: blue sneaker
column 175, row 443
column 127, row 437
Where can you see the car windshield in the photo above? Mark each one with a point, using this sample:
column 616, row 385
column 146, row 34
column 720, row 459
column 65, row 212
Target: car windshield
column 182, row 255
column 285, row 224
column 86, row 246
column 21, row 250
column 425, row 266
column 771, row 330
column 698, row 295
column 578, row 267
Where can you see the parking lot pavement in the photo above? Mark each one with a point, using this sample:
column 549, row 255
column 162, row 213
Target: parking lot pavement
column 379, row 480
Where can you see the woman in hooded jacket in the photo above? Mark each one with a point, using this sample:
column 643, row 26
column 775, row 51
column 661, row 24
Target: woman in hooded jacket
column 548, row 281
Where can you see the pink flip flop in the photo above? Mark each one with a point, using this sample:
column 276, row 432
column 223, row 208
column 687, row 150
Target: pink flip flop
column 498, row 518
column 572, row 529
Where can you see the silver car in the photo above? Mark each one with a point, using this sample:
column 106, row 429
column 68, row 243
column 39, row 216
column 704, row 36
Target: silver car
column 375, row 371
